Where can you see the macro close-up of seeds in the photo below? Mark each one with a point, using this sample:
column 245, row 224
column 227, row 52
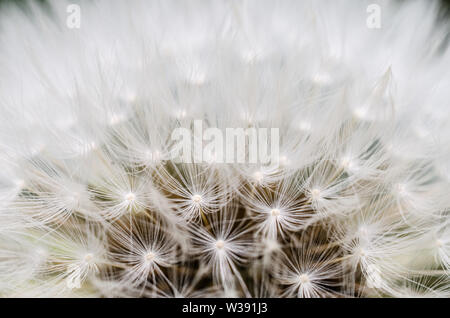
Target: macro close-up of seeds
column 224, row 149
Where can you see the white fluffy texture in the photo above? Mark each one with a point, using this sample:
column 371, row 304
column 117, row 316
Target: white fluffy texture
column 90, row 206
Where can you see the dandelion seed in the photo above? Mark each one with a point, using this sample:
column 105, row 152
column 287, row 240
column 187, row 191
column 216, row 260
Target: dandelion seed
column 197, row 198
column 275, row 212
column 220, row 244
column 258, row 176
column 130, row 197
column 304, row 279
column 315, row 194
